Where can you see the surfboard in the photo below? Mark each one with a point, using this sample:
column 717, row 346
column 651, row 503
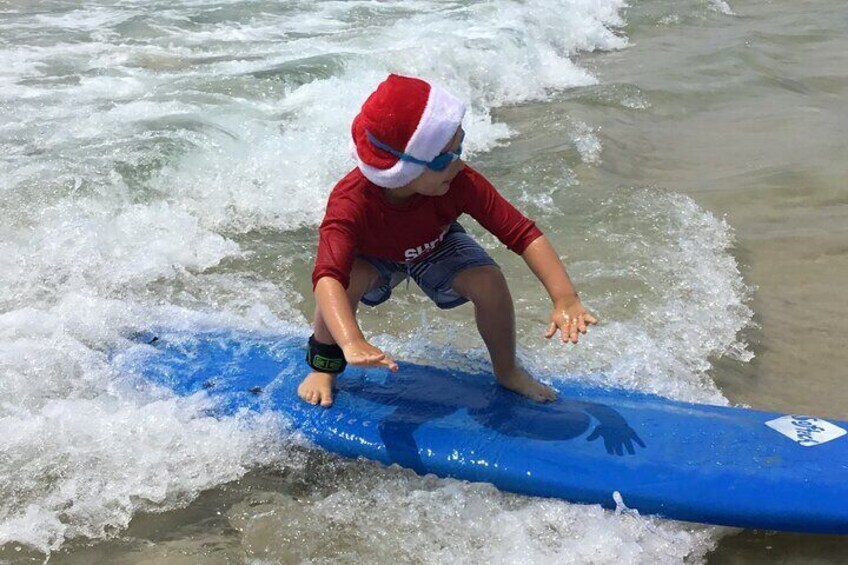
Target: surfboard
column 700, row 463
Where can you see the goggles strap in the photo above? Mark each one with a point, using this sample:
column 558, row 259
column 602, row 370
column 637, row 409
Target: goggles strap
column 388, row 148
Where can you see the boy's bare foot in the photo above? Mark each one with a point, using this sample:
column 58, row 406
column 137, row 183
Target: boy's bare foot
column 519, row 381
column 317, row 388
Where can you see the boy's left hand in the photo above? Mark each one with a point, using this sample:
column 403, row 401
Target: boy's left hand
column 571, row 319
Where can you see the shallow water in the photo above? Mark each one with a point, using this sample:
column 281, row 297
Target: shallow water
column 749, row 121
column 168, row 163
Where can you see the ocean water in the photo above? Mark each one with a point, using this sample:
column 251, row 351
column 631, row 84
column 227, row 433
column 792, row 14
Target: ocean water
column 167, row 163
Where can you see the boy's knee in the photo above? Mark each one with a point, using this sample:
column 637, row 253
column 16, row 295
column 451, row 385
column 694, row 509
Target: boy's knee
column 482, row 284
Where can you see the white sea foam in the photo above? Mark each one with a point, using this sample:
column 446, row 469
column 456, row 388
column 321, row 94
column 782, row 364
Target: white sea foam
column 81, row 245
column 682, row 302
column 722, row 7
column 446, row 521
column 587, row 143
column 285, row 154
column 86, row 447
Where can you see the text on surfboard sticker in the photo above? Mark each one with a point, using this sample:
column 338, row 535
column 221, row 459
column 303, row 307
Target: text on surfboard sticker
column 806, row 430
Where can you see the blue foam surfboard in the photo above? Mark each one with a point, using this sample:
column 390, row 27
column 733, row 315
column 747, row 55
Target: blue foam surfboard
column 701, row 463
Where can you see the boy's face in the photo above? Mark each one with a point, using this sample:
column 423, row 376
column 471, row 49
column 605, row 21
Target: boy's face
column 437, row 183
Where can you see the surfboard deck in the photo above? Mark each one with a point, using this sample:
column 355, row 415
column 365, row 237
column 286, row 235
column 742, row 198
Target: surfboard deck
column 701, row 463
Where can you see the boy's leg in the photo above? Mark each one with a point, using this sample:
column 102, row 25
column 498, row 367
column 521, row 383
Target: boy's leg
column 317, row 387
column 486, row 288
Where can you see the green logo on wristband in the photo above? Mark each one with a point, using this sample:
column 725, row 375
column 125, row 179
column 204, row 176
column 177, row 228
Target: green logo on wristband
column 328, row 364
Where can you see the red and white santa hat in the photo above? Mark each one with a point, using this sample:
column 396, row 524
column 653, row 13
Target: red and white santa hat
column 409, row 115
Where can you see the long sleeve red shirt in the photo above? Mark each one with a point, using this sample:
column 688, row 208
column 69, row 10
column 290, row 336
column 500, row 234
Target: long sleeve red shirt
column 360, row 221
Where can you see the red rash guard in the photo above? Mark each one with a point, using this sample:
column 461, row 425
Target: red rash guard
column 360, row 221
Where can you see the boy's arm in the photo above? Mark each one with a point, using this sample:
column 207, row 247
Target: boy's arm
column 569, row 315
column 338, row 316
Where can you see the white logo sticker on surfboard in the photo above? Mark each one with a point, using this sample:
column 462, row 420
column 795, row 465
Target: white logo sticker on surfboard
column 806, row 430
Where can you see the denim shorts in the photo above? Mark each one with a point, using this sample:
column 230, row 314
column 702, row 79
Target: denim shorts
column 434, row 273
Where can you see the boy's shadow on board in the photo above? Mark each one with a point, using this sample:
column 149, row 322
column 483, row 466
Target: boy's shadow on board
column 418, row 399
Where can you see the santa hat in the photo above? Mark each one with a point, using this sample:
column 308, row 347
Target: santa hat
column 409, row 115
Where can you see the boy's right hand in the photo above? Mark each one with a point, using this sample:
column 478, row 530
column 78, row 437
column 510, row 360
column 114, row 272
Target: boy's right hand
column 363, row 354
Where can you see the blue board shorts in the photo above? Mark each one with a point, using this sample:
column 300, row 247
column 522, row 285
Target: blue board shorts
column 434, row 273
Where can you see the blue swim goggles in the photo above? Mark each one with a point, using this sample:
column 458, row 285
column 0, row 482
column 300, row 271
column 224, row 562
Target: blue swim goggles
column 440, row 163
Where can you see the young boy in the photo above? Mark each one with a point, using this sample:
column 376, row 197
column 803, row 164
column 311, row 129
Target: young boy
column 394, row 216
